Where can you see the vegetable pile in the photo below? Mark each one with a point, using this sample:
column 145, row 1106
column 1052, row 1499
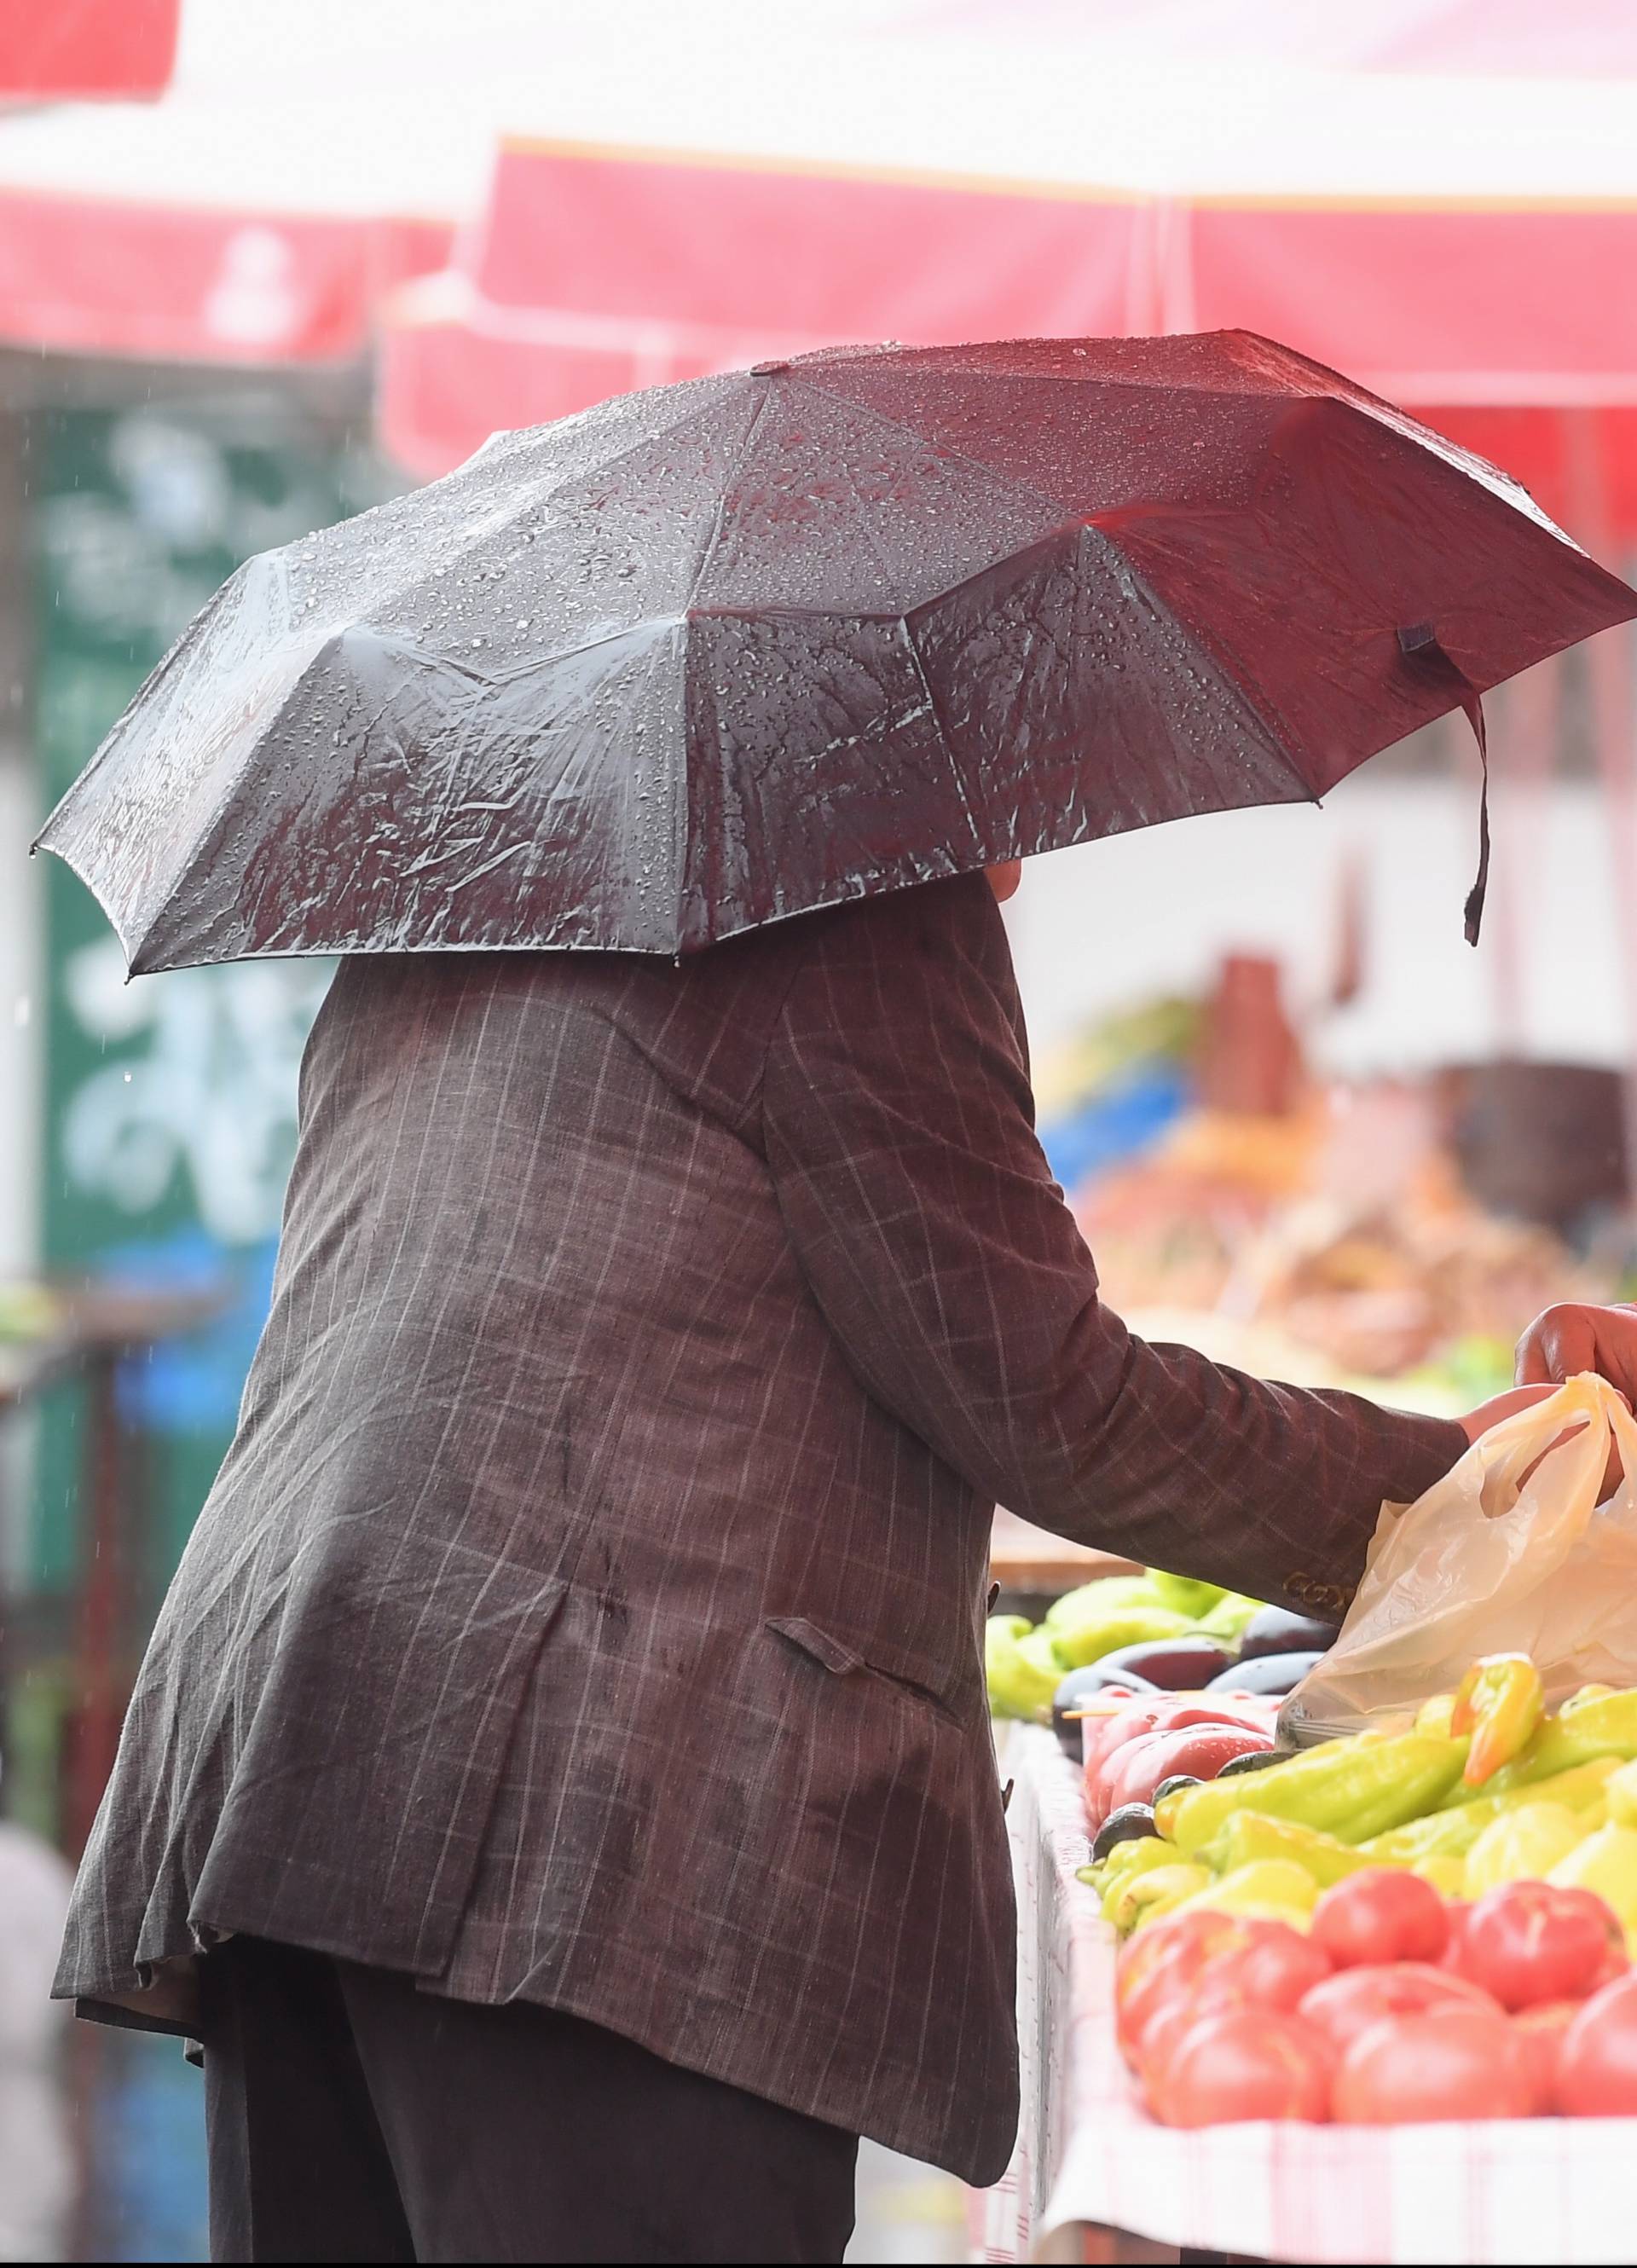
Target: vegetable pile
column 1426, row 1923
column 1397, row 2005
column 1146, row 1634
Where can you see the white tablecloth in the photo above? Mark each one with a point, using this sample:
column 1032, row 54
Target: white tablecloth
column 1514, row 2191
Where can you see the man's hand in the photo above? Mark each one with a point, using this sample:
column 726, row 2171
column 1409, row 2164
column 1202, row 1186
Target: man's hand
column 1521, row 1397
column 1502, row 1405
column 1568, row 1340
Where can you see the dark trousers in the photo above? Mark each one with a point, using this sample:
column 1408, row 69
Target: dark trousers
column 351, row 2117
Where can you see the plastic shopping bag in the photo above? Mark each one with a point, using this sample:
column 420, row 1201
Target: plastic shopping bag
column 1510, row 1552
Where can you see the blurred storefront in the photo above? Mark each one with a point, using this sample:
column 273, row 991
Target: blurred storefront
column 150, row 1127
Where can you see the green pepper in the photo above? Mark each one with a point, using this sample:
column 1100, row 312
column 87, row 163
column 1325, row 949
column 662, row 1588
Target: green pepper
column 1135, row 1856
column 1021, row 1668
column 1452, row 1831
column 1577, row 1737
column 1249, row 1836
column 1351, row 1789
column 1608, row 1718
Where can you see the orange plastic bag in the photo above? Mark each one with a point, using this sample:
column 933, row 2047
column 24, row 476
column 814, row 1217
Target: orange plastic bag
column 1510, row 1552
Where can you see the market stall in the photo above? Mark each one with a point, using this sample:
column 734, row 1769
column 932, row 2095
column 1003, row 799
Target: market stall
column 1089, row 2161
column 1327, row 1928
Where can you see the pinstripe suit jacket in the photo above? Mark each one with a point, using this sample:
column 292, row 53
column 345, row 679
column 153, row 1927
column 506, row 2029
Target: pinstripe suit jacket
column 589, row 1607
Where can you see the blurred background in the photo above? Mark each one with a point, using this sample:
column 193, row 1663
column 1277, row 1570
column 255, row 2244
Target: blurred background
column 266, row 263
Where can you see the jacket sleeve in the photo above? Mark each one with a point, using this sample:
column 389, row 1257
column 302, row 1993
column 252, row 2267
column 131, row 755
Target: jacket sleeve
column 898, row 1123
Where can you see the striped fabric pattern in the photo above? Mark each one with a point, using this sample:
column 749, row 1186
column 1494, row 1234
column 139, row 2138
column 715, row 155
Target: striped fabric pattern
column 589, row 1608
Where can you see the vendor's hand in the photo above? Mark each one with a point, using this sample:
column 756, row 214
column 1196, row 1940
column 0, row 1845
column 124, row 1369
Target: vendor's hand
column 1568, row 1340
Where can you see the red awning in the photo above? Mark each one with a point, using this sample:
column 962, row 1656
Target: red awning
column 599, row 270
column 176, row 282
column 86, row 50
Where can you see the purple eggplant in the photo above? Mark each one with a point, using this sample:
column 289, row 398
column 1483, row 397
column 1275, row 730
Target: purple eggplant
column 1081, row 1686
column 1273, row 1674
column 1128, row 1824
column 1175, row 1665
column 1274, row 1631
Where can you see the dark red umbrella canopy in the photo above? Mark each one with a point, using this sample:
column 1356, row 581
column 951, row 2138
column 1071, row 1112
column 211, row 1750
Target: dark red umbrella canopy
column 715, row 654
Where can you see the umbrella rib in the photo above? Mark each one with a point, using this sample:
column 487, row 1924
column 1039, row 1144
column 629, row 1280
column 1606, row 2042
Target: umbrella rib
column 708, row 550
column 948, row 746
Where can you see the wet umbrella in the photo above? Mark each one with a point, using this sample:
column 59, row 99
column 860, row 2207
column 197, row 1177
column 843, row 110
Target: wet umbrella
column 719, row 652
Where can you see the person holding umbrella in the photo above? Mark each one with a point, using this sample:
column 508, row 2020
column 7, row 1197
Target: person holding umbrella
column 559, row 1792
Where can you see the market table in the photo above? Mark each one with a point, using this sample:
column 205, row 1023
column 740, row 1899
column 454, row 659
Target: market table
column 1092, row 2173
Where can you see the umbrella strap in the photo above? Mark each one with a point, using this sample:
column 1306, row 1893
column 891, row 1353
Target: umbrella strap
column 1419, row 646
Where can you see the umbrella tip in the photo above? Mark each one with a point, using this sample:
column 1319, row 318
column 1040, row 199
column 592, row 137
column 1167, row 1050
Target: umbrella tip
column 767, row 369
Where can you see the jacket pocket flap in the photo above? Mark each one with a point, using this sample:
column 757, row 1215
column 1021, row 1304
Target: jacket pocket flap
column 822, row 1647
column 937, row 1681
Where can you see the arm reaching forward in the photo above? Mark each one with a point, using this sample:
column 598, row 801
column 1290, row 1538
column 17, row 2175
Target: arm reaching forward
column 899, row 1126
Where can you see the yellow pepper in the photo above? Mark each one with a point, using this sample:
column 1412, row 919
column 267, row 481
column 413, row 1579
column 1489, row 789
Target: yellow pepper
column 1159, row 1889
column 1433, row 1716
column 1500, row 1701
column 1523, row 1845
column 1622, row 1794
column 1278, row 1886
column 1447, row 1874
column 1605, row 1862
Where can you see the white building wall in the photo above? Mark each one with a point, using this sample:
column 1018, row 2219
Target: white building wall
column 1108, row 923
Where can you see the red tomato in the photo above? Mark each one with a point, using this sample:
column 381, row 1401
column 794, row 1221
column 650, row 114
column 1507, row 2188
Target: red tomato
column 1172, row 2022
column 1616, row 1961
column 1348, row 2004
column 1161, row 1964
column 1456, row 1912
column 1446, row 2063
column 1133, row 1772
column 1382, row 1914
column 1103, row 1742
column 1528, row 1941
column 1243, row 2063
column 1598, row 2063
column 1276, row 1969
column 1541, row 2028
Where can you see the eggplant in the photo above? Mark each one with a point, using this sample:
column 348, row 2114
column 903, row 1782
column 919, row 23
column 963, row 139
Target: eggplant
column 1077, row 1688
column 1274, row 1631
column 1175, row 1665
column 1177, row 1780
column 1273, row 1673
column 1254, row 1760
column 1121, row 1826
